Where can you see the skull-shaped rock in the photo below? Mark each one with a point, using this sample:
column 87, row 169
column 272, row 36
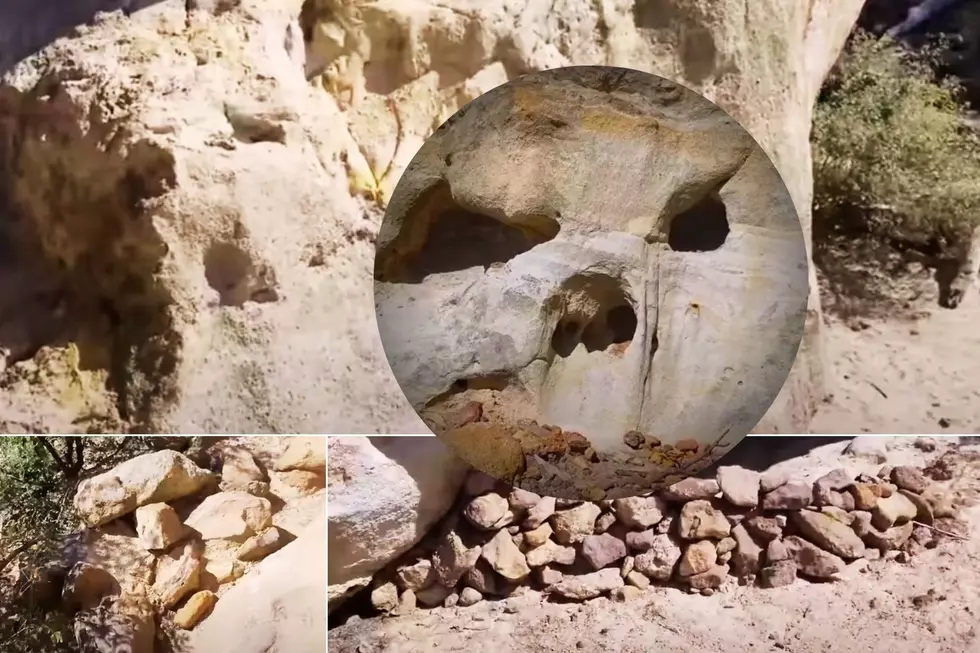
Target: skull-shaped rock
column 591, row 281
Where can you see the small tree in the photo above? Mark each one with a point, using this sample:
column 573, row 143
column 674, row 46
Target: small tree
column 895, row 168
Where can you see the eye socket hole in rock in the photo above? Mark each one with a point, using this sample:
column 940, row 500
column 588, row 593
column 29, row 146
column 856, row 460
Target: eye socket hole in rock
column 439, row 236
column 234, row 275
column 598, row 315
column 701, row 228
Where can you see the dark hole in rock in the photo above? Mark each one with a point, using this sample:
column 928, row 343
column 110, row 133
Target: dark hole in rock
column 701, row 228
column 600, row 316
column 231, row 272
column 440, row 236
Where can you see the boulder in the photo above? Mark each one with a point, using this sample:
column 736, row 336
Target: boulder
column 230, row 515
column 385, row 494
column 278, row 607
column 151, row 478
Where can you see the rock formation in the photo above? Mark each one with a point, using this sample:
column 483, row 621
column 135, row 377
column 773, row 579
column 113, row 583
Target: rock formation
column 600, row 249
column 168, row 560
column 219, row 264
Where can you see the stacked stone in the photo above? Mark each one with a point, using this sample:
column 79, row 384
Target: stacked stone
column 765, row 529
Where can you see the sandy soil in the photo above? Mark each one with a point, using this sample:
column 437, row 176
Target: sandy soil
column 905, row 376
column 928, row 605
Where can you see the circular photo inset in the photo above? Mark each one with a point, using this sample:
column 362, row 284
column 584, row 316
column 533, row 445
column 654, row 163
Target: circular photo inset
column 591, row 282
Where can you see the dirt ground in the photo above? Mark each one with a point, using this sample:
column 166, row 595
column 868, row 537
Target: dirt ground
column 930, row 604
column 905, row 375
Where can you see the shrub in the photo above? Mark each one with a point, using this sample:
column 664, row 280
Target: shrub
column 895, row 170
column 891, row 154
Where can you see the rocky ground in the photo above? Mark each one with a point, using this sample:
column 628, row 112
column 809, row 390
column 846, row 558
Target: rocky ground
column 194, row 554
column 902, row 576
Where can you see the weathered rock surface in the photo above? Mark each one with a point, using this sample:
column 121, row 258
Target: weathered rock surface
column 151, row 478
column 385, row 494
column 273, row 608
column 230, row 515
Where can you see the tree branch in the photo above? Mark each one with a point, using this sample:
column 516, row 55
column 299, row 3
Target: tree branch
column 62, row 467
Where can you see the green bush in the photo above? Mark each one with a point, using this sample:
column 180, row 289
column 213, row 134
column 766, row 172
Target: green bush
column 891, row 155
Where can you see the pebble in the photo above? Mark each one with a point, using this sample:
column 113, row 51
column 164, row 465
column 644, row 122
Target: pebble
column 469, row 596
column 637, row 579
column 625, row 593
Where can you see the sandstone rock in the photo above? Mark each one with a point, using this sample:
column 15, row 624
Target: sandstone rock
column 627, row 566
column 452, row 558
column 407, row 603
column 891, row 511
column 829, row 534
column 697, row 558
column 522, row 500
column 639, row 512
column 772, row 479
column 538, row 536
column 218, row 572
column 726, row 545
column 605, row 521
column 910, row 478
column 573, row 525
column 151, row 478
column 158, row 526
column 239, row 470
column 691, row 489
column 469, row 596
column 197, row 608
column 866, row 495
column 658, row 562
column 416, row 576
column 487, row 510
column 793, row 495
column 262, row 544
column 747, row 556
column 297, row 482
column 779, row 574
column 505, row 558
column 540, row 513
column 550, row 553
column 777, row 551
column 699, row 519
column 890, row 539
column 637, row 579
column 602, row 550
column 641, row 540
column 489, row 448
column 588, row 586
column 273, row 609
column 178, row 574
column 384, row 597
column 85, row 586
column 548, row 576
column 811, row 560
column 766, row 529
column 843, row 516
column 230, row 515
column 739, row 486
column 711, row 579
column 385, row 494
column 306, row 453
column 923, row 509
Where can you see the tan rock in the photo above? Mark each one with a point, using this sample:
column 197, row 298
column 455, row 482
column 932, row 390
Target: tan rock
column 230, row 515
column 505, row 558
column 829, row 534
column 178, row 574
column 538, row 536
column 573, row 525
column 123, row 557
column 297, row 482
column 151, row 478
column 588, row 586
column 550, row 553
column 306, row 453
column 697, row 558
column 197, row 608
column 239, row 470
column 699, row 519
column 86, row 585
column 158, row 526
column 262, row 544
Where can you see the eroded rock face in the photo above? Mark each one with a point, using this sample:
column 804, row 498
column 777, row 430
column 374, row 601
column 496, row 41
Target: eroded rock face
column 384, row 497
column 151, row 478
column 229, row 233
